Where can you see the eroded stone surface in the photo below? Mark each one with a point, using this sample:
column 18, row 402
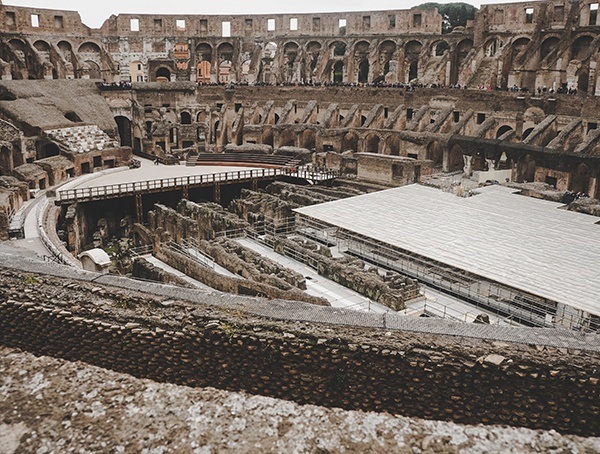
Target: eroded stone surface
column 49, row 405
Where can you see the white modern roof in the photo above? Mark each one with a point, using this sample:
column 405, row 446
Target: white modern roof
column 498, row 234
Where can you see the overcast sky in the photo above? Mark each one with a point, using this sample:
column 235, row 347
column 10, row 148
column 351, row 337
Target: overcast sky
column 95, row 12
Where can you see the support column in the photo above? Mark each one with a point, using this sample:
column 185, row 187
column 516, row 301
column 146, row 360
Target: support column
column 217, row 193
column 254, row 184
column 185, row 192
column 468, row 167
column 139, row 208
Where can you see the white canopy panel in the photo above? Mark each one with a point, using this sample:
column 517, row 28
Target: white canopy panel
column 498, row 234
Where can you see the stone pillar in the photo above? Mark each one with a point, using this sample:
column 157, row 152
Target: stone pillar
column 468, row 167
column 491, row 164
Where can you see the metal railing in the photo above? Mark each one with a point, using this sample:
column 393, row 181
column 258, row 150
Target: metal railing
column 124, row 189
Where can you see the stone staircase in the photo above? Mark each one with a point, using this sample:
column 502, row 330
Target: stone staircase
column 82, row 139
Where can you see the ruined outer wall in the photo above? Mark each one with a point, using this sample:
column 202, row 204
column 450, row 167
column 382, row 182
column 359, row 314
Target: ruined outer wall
column 435, row 377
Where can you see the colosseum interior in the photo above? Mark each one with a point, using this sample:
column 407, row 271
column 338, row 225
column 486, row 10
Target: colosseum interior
column 358, row 231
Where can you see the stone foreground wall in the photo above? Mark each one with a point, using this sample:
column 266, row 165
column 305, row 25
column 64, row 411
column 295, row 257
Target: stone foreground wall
column 434, row 377
column 50, row 405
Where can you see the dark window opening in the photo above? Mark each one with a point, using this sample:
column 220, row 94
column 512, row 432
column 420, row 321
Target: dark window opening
column 327, row 147
column 409, row 114
column 413, row 155
column 456, row 116
column 593, row 13
column 529, row 15
column 58, row 22
column 480, row 118
column 157, row 25
column 203, row 25
column 85, row 167
column 11, row 19
column 72, row 116
column 417, row 19
column 238, row 106
column 592, row 126
column 97, row 161
column 392, row 21
column 551, row 181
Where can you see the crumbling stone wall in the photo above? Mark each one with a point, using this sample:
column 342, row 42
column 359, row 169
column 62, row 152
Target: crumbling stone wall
column 271, row 288
column 392, row 290
column 434, row 377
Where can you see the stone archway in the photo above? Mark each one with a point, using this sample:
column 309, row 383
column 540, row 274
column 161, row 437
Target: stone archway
column 124, row 127
column 350, row 141
column 454, row 161
column 435, row 154
column 48, row 150
column 580, row 178
column 372, row 143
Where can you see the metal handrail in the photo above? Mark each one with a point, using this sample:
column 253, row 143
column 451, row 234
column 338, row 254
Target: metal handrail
column 121, row 189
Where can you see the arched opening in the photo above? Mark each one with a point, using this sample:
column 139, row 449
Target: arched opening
column 478, row 163
column 201, row 117
column 309, row 139
column 440, row 48
column 526, row 133
column 186, row 118
column 267, row 136
column 504, row 163
column 435, row 154
column 50, row 149
column 412, row 50
column 215, row 131
column 526, row 169
column 6, row 165
column 363, row 72
column 290, row 61
column 124, row 127
column 583, row 80
column 163, row 75
column 455, row 158
column 339, row 49
column 337, row 74
column 372, row 143
column 350, row 142
column 519, row 45
column 580, row 179
column 287, row 138
column 580, row 47
column 93, row 69
column 392, row 146
column 313, row 51
column 203, row 72
column 413, row 72
column 89, row 48
column 548, row 45
column 503, row 130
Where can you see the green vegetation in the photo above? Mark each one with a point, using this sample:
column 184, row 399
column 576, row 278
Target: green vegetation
column 454, row 14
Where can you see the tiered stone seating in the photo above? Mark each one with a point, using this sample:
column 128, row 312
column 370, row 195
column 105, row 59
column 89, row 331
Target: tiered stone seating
column 82, row 139
column 247, row 159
